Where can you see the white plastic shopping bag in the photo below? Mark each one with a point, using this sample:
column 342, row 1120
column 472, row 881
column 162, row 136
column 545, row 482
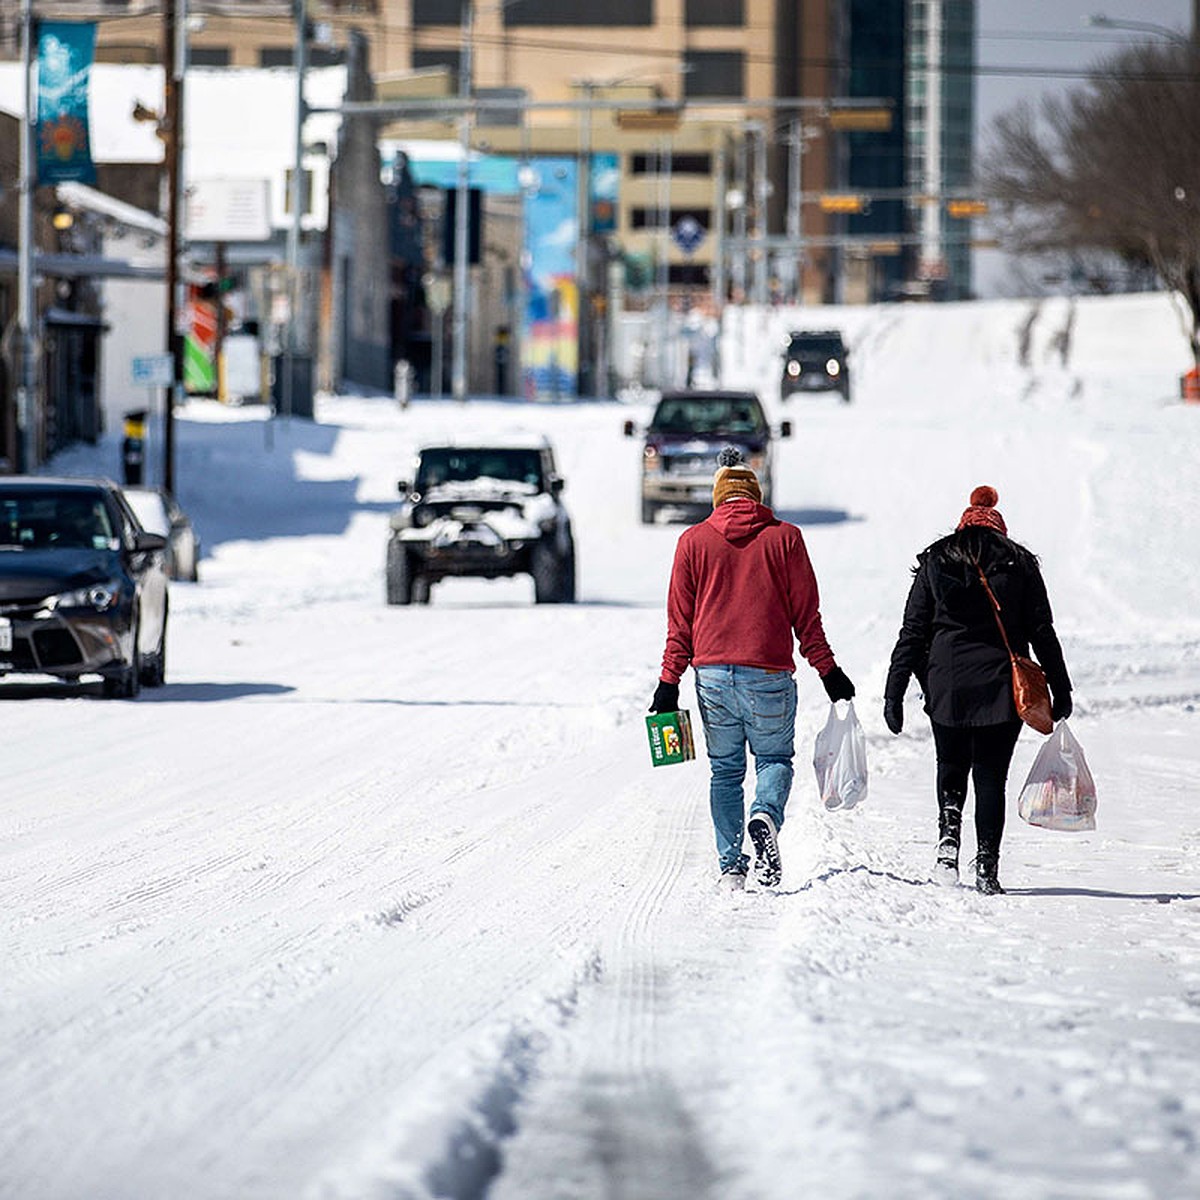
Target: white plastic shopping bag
column 1059, row 792
column 840, row 760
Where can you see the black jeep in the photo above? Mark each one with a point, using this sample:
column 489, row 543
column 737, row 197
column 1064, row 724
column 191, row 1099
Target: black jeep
column 815, row 361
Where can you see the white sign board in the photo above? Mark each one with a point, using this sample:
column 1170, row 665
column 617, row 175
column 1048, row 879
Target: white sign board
column 229, row 210
column 153, row 370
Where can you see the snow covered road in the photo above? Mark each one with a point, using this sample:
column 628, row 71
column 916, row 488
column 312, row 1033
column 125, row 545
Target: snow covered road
column 377, row 902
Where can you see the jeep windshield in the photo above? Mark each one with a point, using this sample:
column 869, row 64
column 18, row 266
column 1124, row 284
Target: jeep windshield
column 816, row 347
column 701, row 415
column 503, row 465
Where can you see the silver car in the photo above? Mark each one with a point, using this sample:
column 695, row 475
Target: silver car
column 158, row 512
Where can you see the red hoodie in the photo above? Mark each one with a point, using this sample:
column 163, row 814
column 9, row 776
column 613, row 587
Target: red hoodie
column 741, row 586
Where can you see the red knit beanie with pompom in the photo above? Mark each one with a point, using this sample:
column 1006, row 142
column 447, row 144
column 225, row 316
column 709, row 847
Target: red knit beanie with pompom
column 983, row 510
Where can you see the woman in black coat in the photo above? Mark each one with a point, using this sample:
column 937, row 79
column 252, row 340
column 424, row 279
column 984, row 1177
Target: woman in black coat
column 950, row 641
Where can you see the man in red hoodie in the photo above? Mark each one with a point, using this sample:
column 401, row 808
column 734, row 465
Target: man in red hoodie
column 742, row 587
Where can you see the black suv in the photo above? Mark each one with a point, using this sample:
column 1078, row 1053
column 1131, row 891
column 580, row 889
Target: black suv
column 686, row 433
column 815, row 361
column 485, row 510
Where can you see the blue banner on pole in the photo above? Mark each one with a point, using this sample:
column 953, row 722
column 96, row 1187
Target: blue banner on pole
column 605, row 176
column 64, row 66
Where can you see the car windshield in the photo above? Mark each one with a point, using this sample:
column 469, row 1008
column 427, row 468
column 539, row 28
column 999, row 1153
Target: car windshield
column 48, row 520
column 462, row 466
column 826, row 347
column 708, row 414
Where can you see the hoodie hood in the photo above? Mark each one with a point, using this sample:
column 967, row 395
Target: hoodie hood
column 741, row 519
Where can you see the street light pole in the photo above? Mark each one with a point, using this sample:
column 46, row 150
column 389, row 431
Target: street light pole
column 582, row 241
column 1100, row 21
column 458, row 369
column 296, row 200
column 174, row 50
column 27, row 386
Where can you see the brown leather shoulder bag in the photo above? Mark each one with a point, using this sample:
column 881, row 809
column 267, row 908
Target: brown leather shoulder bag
column 1031, row 695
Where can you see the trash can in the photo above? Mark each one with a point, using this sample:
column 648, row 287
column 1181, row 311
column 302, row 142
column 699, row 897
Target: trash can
column 133, row 447
column 1189, row 385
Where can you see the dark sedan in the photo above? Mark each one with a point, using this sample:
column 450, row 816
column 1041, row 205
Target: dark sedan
column 83, row 588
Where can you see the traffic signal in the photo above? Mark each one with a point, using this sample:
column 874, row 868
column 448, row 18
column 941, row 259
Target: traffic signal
column 474, row 225
column 967, row 208
column 836, row 202
column 213, row 289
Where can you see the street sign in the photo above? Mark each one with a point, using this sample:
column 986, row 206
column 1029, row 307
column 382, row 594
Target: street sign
column 687, row 233
column 152, row 370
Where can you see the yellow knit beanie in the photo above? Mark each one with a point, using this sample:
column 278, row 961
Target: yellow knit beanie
column 734, row 479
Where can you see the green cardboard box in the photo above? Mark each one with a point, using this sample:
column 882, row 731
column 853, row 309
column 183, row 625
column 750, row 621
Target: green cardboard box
column 670, row 738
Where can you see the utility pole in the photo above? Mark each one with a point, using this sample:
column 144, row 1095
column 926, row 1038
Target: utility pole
column 720, row 217
column 174, row 52
column 582, row 241
column 296, row 199
column 795, row 215
column 462, row 274
column 761, row 195
column 27, row 387
column 739, row 215
column 931, row 218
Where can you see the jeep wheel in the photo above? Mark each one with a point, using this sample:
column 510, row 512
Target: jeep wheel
column 399, row 574
column 553, row 575
column 420, row 589
column 649, row 512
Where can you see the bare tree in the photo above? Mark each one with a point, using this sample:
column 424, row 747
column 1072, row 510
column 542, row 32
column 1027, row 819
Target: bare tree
column 1113, row 166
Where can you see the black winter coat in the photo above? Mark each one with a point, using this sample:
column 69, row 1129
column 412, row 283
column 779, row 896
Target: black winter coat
column 949, row 639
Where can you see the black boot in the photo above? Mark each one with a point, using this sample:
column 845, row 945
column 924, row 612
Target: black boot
column 950, row 806
column 987, row 863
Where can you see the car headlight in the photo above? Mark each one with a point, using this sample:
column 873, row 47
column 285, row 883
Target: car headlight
column 833, row 367
column 793, row 368
column 651, row 460
column 100, row 596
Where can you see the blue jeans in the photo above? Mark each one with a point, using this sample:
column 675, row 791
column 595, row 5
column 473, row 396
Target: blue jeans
column 740, row 706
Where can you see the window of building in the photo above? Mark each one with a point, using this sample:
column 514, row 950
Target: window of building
column 651, row 218
column 284, row 56
column 436, row 12
column 681, row 164
column 325, row 56
column 699, row 13
column 436, row 58
column 687, row 275
column 572, row 12
column 209, row 56
column 715, row 73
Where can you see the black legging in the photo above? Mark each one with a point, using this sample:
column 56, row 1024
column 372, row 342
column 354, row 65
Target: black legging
column 983, row 752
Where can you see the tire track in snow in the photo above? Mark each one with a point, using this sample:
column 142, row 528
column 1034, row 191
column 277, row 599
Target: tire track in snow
column 619, row 1114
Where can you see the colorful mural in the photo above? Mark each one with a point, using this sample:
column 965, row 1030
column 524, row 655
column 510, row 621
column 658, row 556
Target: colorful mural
column 550, row 359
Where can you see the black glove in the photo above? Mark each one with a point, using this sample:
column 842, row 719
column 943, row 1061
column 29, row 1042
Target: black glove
column 837, row 686
column 666, row 698
column 893, row 714
column 1061, row 707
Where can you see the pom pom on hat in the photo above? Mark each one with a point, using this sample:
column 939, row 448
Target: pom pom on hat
column 982, row 510
column 734, row 479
